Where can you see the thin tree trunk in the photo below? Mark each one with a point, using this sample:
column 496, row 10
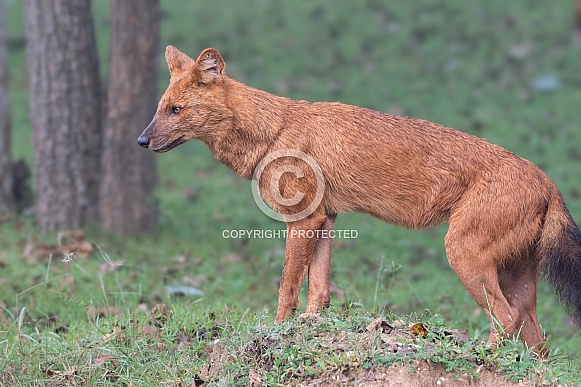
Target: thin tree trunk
column 127, row 204
column 65, row 111
column 6, row 180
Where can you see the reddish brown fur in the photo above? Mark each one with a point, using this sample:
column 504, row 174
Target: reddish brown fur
column 506, row 218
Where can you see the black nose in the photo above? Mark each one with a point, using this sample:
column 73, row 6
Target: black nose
column 143, row 141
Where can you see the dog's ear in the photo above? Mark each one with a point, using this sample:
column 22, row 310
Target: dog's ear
column 177, row 61
column 211, row 65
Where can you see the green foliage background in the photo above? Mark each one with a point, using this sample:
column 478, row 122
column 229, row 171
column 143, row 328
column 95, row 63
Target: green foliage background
column 504, row 71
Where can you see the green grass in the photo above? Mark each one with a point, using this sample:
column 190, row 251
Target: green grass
column 446, row 61
column 190, row 343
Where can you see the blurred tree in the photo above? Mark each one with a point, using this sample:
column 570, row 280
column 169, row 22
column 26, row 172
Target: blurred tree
column 6, row 190
column 65, row 111
column 129, row 175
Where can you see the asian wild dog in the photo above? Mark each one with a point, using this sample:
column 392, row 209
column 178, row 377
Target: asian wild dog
column 507, row 220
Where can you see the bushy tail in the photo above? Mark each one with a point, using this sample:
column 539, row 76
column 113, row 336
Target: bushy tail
column 560, row 250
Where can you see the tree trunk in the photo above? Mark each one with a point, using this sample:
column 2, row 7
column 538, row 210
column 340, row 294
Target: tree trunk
column 65, row 111
column 6, row 189
column 127, row 204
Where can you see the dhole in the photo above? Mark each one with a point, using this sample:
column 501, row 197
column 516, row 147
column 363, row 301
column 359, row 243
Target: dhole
column 507, row 220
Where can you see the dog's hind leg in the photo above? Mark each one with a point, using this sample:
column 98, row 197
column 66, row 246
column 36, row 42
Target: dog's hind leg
column 473, row 259
column 320, row 268
column 519, row 286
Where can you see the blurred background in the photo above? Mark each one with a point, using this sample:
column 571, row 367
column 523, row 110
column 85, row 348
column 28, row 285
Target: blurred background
column 91, row 222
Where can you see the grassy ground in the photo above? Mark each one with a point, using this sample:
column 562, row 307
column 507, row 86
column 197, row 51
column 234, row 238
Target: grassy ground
column 189, row 344
column 504, row 71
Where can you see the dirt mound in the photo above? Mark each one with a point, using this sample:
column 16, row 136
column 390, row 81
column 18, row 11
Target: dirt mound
column 374, row 354
column 418, row 374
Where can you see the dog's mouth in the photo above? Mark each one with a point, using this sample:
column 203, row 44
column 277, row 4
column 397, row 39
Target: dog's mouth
column 167, row 147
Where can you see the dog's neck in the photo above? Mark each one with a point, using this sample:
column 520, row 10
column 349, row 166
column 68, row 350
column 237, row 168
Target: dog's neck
column 252, row 128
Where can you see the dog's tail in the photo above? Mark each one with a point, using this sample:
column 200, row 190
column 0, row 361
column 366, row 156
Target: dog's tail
column 560, row 255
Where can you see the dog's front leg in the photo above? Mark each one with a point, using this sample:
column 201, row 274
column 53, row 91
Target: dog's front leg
column 300, row 243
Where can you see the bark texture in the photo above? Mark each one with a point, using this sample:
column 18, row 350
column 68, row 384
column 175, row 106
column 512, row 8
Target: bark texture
column 6, row 179
column 65, row 111
column 127, row 204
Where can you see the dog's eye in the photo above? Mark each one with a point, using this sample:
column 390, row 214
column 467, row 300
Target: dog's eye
column 176, row 109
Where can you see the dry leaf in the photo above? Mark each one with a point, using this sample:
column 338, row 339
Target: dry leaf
column 115, row 334
column 379, row 324
column 102, row 359
column 69, row 244
column 418, row 329
column 374, row 325
column 150, row 332
column 158, row 315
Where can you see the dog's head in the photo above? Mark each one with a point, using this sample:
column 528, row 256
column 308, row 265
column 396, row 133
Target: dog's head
column 193, row 103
